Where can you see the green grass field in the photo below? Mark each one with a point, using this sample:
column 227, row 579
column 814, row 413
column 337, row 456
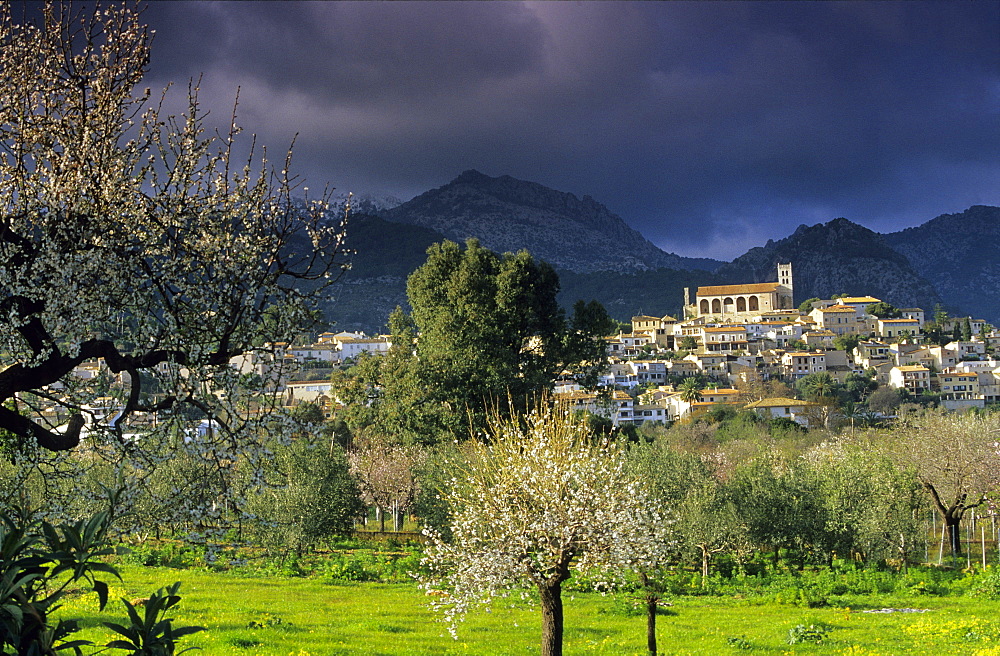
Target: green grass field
column 277, row 616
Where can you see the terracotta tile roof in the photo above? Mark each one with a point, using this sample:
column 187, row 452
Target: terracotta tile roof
column 778, row 402
column 753, row 288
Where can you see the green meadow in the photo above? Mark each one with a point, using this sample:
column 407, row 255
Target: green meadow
column 276, row 615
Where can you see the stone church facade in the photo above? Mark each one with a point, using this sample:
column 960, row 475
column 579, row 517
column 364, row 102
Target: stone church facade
column 742, row 301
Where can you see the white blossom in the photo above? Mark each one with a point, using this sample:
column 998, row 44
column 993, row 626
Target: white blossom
column 539, row 496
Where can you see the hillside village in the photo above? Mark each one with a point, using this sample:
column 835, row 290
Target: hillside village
column 734, row 339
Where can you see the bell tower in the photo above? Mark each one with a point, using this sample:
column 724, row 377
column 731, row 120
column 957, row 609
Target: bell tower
column 785, row 281
column 785, row 275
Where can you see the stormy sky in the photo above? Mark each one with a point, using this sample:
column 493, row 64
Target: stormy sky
column 708, row 126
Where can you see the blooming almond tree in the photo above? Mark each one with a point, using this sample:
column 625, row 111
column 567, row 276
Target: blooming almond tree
column 536, row 501
column 956, row 457
column 130, row 236
column 135, row 243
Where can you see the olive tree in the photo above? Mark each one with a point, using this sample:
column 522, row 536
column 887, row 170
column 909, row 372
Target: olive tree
column 870, row 503
column 707, row 522
column 780, row 504
column 140, row 243
column 313, row 495
column 536, row 500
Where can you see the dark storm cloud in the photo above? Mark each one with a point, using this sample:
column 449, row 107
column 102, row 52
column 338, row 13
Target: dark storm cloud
column 709, row 126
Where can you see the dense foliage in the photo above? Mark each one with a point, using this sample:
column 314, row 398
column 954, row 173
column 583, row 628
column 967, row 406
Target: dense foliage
column 485, row 333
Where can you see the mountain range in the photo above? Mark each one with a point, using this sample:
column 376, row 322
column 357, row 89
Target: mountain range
column 952, row 260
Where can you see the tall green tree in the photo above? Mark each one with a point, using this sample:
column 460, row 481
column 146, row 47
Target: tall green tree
column 818, row 386
column 966, row 330
column 485, row 331
column 940, row 314
column 846, row 342
column 691, row 388
column 806, row 306
column 859, row 386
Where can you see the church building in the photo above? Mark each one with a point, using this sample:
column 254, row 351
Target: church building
column 745, row 301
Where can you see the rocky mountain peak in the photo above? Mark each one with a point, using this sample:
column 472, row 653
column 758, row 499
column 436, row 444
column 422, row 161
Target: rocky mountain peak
column 958, row 254
column 507, row 214
column 836, row 257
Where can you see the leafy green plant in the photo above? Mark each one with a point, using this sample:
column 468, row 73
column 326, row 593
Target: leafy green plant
column 267, row 621
column 806, row 597
column 808, row 633
column 739, row 642
column 39, row 563
column 152, row 634
column 987, row 585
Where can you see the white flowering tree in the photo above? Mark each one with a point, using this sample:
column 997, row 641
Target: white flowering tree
column 386, row 474
column 534, row 502
column 136, row 240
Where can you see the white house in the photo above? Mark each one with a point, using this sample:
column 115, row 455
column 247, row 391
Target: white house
column 773, row 408
column 914, row 378
column 960, row 389
column 618, row 406
column 797, row 364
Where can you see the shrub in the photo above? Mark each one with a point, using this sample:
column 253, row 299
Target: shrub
column 987, row 585
column 813, row 633
column 41, row 563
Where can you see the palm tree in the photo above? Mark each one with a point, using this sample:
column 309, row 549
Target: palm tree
column 691, row 389
column 819, row 385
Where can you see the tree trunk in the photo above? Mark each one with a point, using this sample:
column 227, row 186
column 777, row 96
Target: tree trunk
column 651, row 600
column 552, row 618
column 705, row 559
column 652, row 597
column 397, row 517
column 953, row 524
